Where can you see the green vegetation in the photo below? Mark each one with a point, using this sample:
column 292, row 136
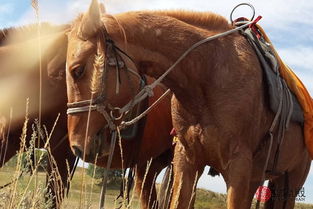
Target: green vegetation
column 85, row 192
column 114, row 176
column 209, row 200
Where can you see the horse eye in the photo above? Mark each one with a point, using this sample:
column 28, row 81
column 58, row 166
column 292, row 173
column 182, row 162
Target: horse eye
column 78, row 72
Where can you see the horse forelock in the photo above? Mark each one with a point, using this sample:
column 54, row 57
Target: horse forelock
column 98, row 64
column 97, row 73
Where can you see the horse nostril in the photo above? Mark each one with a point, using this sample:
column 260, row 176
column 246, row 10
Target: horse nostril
column 78, row 152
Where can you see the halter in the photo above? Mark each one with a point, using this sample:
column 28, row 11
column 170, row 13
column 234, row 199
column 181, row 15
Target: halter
column 113, row 58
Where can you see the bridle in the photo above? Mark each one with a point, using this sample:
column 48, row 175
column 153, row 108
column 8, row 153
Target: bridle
column 113, row 58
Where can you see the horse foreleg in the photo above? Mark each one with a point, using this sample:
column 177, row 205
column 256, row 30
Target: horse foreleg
column 187, row 170
column 145, row 180
column 238, row 183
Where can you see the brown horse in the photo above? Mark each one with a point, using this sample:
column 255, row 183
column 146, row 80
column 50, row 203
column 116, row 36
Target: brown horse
column 19, row 70
column 219, row 109
column 154, row 143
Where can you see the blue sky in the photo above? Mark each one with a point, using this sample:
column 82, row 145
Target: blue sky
column 287, row 22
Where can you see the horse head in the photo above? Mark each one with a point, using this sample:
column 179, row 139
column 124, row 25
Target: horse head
column 100, row 79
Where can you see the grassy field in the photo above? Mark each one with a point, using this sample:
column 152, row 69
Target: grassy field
column 84, row 192
column 210, row 200
column 26, row 196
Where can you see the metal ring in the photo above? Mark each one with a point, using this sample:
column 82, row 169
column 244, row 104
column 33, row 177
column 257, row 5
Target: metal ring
column 242, row 4
column 113, row 116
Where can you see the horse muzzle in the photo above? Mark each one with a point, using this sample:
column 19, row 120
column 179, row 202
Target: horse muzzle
column 98, row 147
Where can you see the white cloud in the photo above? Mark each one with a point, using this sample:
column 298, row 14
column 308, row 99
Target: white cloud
column 278, row 13
column 298, row 56
column 290, row 19
column 54, row 11
column 6, row 8
column 300, row 59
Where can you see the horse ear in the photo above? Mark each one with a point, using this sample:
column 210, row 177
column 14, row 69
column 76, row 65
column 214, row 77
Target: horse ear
column 91, row 21
column 102, row 8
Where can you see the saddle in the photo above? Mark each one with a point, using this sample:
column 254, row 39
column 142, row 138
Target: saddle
column 280, row 96
column 287, row 93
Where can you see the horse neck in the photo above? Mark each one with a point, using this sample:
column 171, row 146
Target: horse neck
column 156, row 42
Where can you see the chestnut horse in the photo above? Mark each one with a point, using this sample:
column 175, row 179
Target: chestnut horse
column 19, row 70
column 219, row 109
column 154, row 143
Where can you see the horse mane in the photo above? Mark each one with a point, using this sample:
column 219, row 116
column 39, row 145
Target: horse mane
column 203, row 20
column 27, row 32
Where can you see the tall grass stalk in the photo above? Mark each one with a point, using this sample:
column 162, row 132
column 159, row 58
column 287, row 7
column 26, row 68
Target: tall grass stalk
column 34, row 171
column 83, row 195
column 193, row 193
column 35, row 5
column 13, row 189
column 5, row 137
column 93, row 180
column 144, row 178
column 152, row 188
column 134, row 189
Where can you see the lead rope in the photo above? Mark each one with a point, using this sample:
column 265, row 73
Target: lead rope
column 148, row 89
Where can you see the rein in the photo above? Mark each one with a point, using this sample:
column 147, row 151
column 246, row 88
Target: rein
column 148, row 89
column 108, row 111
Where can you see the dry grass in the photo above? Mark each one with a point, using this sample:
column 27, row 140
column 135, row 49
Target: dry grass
column 29, row 196
column 30, row 191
